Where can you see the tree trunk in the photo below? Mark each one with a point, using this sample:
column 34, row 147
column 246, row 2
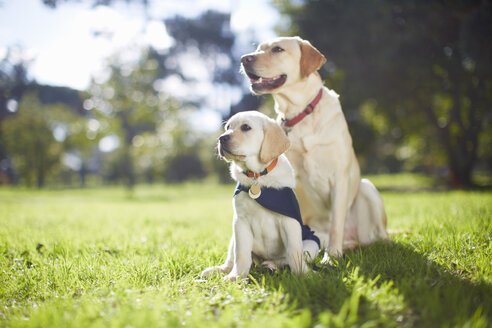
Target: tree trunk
column 461, row 158
column 82, row 174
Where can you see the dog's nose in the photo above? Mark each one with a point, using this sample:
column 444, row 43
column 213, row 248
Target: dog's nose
column 248, row 59
column 224, row 138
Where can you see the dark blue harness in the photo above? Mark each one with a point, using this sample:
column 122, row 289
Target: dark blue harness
column 282, row 201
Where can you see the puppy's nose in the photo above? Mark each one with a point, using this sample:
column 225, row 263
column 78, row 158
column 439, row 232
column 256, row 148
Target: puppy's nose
column 224, row 138
column 248, row 59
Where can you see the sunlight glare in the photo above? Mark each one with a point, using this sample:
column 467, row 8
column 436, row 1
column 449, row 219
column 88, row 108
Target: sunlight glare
column 72, row 161
column 12, row 105
column 156, row 35
column 109, row 143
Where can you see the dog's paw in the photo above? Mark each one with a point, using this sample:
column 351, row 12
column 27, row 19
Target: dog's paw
column 332, row 255
column 328, row 261
column 213, row 270
column 269, row 265
column 232, row 277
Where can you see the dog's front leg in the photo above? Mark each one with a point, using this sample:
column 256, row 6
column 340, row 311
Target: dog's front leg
column 243, row 247
column 340, row 208
column 224, row 268
column 292, row 237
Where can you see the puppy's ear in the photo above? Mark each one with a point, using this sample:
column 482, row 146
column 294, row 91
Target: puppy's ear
column 311, row 58
column 275, row 142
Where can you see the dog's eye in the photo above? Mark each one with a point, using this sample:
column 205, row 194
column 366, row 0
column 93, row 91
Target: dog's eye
column 245, row 127
column 277, row 49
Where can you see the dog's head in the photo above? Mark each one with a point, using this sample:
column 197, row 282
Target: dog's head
column 280, row 62
column 252, row 138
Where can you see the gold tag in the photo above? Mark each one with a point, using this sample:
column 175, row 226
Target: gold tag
column 254, row 191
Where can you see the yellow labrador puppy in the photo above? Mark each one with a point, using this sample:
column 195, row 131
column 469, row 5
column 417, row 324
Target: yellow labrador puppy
column 267, row 222
column 343, row 210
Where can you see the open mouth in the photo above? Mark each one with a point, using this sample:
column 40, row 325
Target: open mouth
column 259, row 83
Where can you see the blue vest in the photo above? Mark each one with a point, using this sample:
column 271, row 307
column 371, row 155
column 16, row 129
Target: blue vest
column 282, row 201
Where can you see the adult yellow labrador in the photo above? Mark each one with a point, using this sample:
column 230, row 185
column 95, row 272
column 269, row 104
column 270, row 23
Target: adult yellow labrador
column 343, row 210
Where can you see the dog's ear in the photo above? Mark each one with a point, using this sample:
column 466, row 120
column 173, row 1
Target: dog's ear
column 311, row 58
column 275, row 142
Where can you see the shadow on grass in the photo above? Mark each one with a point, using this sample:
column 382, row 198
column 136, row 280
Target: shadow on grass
column 390, row 285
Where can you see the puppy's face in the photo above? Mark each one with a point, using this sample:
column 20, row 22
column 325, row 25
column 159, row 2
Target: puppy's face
column 252, row 137
column 242, row 138
column 280, row 62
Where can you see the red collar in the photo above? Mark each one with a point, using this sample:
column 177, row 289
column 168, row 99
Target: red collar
column 269, row 168
column 309, row 109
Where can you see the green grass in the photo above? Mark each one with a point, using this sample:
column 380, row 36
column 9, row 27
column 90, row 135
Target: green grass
column 109, row 258
column 404, row 182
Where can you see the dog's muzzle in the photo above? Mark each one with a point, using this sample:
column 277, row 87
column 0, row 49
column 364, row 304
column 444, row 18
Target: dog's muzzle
column 259, row 83
column 223, row 145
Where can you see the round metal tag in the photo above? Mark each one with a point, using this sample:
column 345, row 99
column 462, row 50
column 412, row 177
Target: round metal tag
column 254, row 191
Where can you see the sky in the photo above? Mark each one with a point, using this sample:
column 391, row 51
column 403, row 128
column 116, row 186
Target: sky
column 62, row 49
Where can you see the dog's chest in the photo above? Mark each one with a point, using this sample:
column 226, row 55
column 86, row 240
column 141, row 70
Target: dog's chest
column 266, row 227
column 314, row 170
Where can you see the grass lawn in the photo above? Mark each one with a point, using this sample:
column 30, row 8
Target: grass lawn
column 108, row 258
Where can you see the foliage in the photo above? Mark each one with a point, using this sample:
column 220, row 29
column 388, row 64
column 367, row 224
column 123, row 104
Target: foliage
column 151, row 125
column 35, row 150
column 417, row 72
column 140, row 265
column 184, row 167
column 39, row 136
column 211, row 35
column 143, row 106
column 133, row 106
column 201, row 67
column 13, row 81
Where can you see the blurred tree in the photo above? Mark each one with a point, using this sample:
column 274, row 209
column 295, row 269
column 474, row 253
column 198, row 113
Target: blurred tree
column 419, row 72
column 200, row 67
column 29, row 139
column 184, row 167
column 210, row 34
column 79, row 136
column 13, row 83
column 13, row 80
column 71, row 125
column 120, row 103
column 146, row 121
column 61, row 108
column 49, row 94
column 203, row 62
